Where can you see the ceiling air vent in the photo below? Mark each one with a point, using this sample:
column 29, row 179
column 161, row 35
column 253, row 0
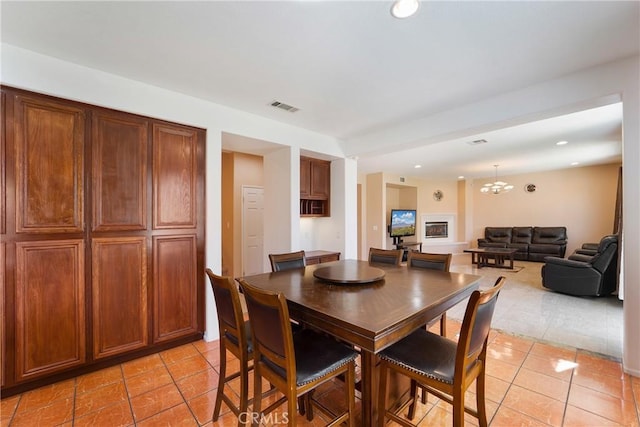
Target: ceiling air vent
column 477, row 142
column 283, row 106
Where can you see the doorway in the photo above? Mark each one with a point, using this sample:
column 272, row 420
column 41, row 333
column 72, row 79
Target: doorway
column 252, row 230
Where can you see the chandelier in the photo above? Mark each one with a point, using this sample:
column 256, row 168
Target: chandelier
column 496, row 187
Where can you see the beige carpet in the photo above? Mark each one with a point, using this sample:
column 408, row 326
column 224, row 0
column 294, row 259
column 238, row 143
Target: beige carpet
column 528, row 309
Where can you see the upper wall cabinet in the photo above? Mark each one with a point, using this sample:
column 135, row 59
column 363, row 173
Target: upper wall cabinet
column 315, row 187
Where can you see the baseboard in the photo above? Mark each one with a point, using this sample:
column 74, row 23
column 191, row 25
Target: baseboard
column 210, row 337
column 632, row 372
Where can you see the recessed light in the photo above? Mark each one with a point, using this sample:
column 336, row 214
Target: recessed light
column 404, row 8
column 417, row 166
column 562, row 142
column 575, row 164
column 461, row 177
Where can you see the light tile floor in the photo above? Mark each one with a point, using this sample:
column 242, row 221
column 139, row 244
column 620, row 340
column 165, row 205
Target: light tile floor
column 526, row 308
column 530, row 382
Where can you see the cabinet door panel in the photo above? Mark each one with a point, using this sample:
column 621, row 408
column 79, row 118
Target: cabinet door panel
column 320, row 184
column 305, row 177
column 49, row 140
column 174, row 177
column 119, row 172
column 119, row 295
column 175, row 287
column 50, row 317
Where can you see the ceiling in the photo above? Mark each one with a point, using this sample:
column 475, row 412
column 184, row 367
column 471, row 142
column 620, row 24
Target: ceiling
column 353, row 70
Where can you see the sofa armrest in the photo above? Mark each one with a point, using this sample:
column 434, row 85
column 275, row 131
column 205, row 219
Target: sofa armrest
column 589, row 252
column 580, row 257
column 566, row 262
column 590, row 246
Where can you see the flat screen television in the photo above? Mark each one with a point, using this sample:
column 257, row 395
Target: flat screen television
column 403, row 223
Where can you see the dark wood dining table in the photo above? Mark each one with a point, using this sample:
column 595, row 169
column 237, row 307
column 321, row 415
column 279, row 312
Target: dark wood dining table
column 370, row 315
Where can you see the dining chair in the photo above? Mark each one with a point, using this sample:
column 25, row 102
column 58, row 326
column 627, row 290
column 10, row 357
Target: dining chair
column 445, row 368
column 297, row 363
column 235, row 336
column 385, row 256
column 429, row 261
column 287, row 261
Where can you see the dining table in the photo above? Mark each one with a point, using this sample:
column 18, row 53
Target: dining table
column 370, row 306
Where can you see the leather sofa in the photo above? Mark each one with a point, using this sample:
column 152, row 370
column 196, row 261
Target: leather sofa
column 532, row 243
column 584, row 275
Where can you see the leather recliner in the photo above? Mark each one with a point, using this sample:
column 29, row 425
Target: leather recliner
column 584, row 275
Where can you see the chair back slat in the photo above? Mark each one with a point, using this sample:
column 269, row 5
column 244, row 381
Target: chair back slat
column 385, row 256
column 287, row 261
column 429, row 261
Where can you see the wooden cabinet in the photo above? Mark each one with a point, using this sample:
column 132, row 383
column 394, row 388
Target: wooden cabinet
column 315, row 187
column 102, row 237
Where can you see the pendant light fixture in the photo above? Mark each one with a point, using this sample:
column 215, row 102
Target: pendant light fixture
column 497, row 186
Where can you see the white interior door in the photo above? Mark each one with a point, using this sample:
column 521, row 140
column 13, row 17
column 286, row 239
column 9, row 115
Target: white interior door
column 252, row 230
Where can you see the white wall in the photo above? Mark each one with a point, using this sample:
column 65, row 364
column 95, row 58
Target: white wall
column 339, row 232
column 281, row 190
column 39, row 73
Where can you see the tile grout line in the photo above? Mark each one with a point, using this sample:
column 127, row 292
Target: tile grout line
column 510, row 384
column 566, row 402
column 126, row 390
column 75, row 396
column 184, row 400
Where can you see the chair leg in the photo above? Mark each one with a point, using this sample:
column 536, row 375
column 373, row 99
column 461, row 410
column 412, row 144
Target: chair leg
column 412, row 393
column 244, row 391
column 221, row 378
column 382, row 394
column 257, row 394
column 458, row 408
column 480, row 402
column 291, row 408
column 306, row 399
column 350, row 390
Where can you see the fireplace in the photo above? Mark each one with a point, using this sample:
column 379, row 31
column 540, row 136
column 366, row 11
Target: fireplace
column 436, row 230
